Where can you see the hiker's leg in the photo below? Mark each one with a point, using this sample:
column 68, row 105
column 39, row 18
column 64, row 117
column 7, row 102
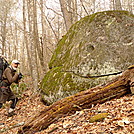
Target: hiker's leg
column 132, row 90
column 1, row 105
column 12, row 107
column 132, row 86
column 3, row 96
column 14, row 102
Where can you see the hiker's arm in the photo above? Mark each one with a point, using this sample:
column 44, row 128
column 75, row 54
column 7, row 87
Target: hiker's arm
column 9, row 76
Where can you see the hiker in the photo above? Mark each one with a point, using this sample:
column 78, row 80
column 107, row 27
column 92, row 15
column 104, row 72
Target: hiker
column 10, row 76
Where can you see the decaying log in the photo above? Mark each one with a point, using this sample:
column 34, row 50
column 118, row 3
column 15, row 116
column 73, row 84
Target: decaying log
column 85, row 99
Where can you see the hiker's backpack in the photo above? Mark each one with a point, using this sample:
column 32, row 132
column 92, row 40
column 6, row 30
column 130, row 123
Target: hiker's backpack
column 3, row 65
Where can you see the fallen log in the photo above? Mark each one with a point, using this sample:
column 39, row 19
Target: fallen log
column 85, row 99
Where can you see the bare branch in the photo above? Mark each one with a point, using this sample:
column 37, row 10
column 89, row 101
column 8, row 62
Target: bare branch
column 84, row 7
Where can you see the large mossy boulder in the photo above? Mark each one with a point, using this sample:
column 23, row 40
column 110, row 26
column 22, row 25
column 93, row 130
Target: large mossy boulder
column 101, row 43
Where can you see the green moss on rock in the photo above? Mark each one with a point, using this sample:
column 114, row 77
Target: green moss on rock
column 100, row 43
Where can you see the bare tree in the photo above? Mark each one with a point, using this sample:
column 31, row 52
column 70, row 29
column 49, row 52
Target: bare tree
column 26, row 37
column 117, row 5
column 69, row 10
column 4, row 11
column 32, row 43
column 66, row 14
column 130, row 5
column 43, row 43
column 84, row 7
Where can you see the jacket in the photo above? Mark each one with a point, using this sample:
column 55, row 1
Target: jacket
column 9, row 76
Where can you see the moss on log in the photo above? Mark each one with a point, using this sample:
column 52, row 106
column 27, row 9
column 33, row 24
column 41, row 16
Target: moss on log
column 85, row 99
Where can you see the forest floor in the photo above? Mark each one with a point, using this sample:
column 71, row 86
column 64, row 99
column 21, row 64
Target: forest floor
column 120, row 119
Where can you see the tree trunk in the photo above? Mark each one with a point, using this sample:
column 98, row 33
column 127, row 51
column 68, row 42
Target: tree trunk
column 36, row 37
column 43, row 38
column 85, row 99
column 26, row 38
column 117, row 5
column 4, row 32
column 130, row 6
column 66, row 13
column 34, row 43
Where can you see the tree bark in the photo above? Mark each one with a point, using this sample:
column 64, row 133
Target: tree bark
column 43, row 38
column 4, row 32
column 117, row 5
column 118, row 87
column 34, row 47
column 69, row 11
column 26, row 38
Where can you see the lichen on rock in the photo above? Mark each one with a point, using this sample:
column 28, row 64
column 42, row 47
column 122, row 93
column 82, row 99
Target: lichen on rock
column 100, row 43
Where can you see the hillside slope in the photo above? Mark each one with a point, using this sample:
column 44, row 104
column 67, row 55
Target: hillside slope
column 120, row 119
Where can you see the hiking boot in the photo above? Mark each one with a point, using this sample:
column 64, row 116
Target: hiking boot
column 132, row 90
column 11, row 112
column 1, row 105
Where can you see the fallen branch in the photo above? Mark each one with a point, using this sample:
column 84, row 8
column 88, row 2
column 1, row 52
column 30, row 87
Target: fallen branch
column 11, row 127
column 85, row 99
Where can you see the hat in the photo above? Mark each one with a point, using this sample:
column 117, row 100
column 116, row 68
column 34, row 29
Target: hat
column 16, row 62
